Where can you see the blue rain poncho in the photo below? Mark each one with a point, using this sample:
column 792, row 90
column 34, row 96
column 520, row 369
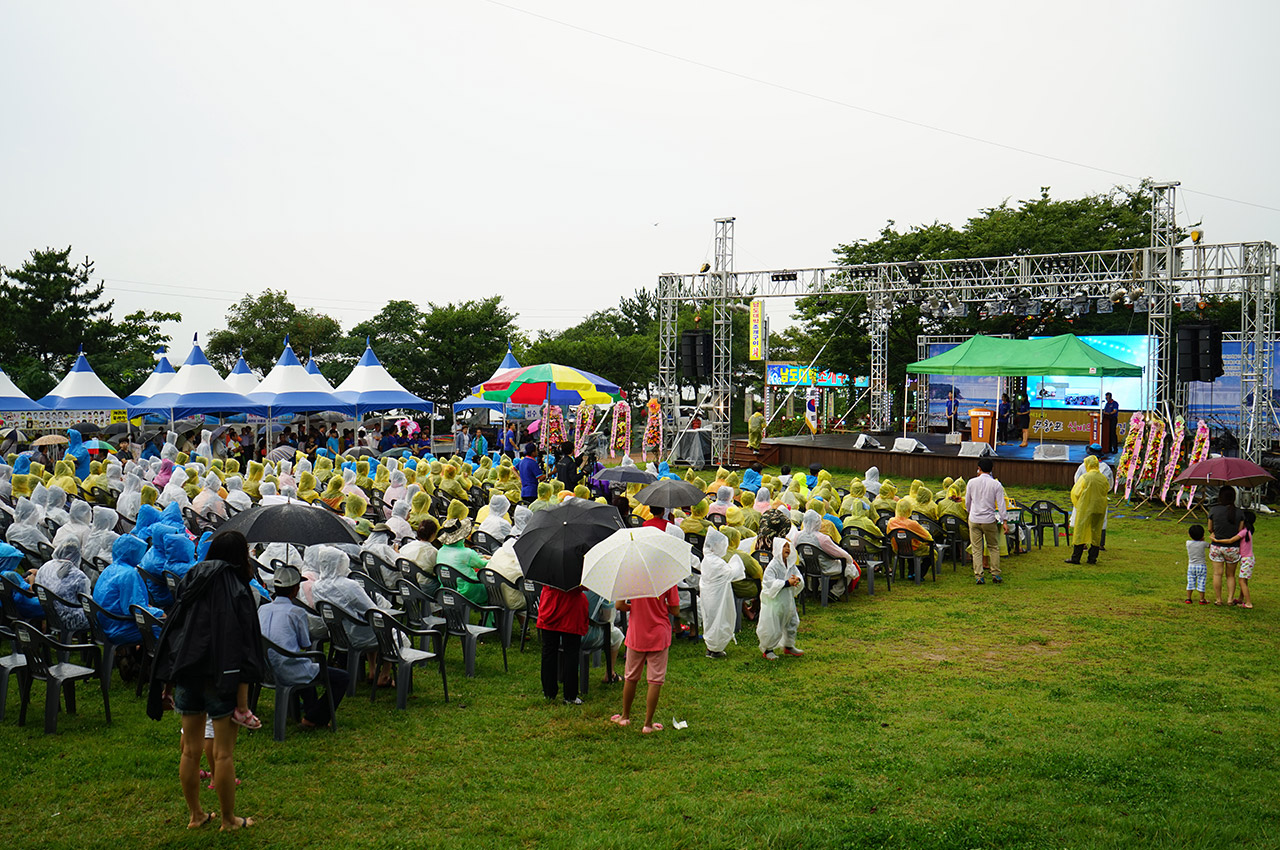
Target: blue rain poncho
column 77, row 453
column 11, row 567
column 120, row 587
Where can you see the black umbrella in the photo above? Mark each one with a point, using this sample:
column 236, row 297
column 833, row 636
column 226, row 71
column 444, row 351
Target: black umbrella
column 361, row 451
column 299, row 524
column 117, row 428
column 666, row 493
column 86, row 429
column 556, row 540
column 626, row 475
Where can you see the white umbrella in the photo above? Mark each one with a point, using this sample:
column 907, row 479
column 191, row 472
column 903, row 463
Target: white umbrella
column 635, row 563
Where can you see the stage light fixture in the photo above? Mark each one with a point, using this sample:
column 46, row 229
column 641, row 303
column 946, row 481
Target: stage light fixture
column 914, row 271
column 1104, row 305
column 706, row 267
column 1197, row 233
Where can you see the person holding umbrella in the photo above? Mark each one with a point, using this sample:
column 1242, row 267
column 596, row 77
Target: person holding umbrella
column 648, row 642
column 562, row 620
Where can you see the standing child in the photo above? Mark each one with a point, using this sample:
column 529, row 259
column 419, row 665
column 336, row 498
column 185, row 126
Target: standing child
column 648, row 640
column 779, row 621
column 1197, row 568
column 1245, row 538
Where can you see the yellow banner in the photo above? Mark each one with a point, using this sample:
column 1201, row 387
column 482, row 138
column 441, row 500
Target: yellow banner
column 757, row 329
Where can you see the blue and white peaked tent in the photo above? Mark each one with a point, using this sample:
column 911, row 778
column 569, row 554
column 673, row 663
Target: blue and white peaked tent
column 288, row 388
column 314, row 371
column 13, row 399
column 370, row 387
column 474, row 401
column 197, row 388
column 241, row 379
column 82, row 389
column 155, row 382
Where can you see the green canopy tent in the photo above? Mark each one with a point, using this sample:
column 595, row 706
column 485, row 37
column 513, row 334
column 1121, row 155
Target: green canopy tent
column 1058, row 355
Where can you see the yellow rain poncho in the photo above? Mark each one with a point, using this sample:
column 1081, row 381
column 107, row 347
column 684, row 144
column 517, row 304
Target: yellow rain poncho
column 1089, row 496
column 697, row 523
column 953, row 504
column 925, row 503
column 333, row 495
column 886, row 501
column 363, row 481
column 450, row 486
column 545, row 491
column 149, row 494
column 64, row 476
column 232, row 467
column 307, row 487
column 354, row 509
column 858, row 518
column 419, row 508
column 254, row 481
column 382, row 478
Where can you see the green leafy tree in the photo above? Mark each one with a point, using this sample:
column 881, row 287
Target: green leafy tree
column 461, row 345
column 52, row 308
column 396, row 336
column 259, row 323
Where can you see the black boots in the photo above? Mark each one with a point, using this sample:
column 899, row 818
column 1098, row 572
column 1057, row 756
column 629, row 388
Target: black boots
column 1093, row 555
column 1077, row 552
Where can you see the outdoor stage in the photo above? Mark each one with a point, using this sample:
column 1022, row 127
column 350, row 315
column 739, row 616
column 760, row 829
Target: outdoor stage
column 1013, row 465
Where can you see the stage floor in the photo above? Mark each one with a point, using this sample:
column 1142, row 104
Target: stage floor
column 1013, row 464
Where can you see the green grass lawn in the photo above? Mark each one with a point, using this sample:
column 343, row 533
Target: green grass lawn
column 1073, row 706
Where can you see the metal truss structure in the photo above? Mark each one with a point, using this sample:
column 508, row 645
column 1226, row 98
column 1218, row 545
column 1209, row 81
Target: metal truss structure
column 1158, row 280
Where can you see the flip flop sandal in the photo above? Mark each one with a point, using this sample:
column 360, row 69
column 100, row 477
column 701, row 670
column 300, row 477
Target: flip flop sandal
column 208, row 819
column 613, row 680
column 657, row 727
column 620, row 720
column 246, row 719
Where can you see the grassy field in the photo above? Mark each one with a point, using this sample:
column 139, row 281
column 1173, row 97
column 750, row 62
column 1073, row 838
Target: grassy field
column 1072, row 706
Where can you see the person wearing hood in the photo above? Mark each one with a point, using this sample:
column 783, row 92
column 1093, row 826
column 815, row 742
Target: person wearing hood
column 120, row 587
column 174, row 492
column 333, row 495
column 209, row 500
column 719, row 571
column 208, row 655
column 923, row 547
column 454, row 553
column 1089, row 506
column 269, row 496
column 419, row 508
column 397, row 489
column 887, row 500
column 779, row 621
column 398, row 522
column 130, row 497
column 353, row 509
column 422, row 551
column 161, row 478
column 55, row 505
column 546, row 493
column 167, row 552
column 834, row 560
column 925, row 504
column 724, row 498
column 505, row 563
column 871, row 481
column 64, row 477
column 253, row 479
column 495, row 522
column 307, row 485
column 236, row 497
column 11, row 567
column 382, row 543
column 102, row 535
column 449, row 485
column 64, row 577
column 25, row 530
column 77, row 453
column 696, row 522
column 334, row 585
column 78, row 525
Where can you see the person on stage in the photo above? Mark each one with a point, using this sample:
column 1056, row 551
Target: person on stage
column 953, row 407
column 1003, row 421
column 1110, row 418
column 1022, row 418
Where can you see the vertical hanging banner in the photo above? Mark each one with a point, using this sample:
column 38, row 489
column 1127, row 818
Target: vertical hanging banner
column 812, row 397
column 757, row 329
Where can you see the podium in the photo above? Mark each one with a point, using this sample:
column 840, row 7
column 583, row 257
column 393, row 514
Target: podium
column 982, row 425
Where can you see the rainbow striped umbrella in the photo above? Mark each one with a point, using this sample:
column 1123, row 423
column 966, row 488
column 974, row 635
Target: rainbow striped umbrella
column 548, row 382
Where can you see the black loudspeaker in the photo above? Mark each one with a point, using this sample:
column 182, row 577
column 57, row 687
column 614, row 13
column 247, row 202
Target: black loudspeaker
column 1188, row 353
column 689, row 362
column 1210, row 353
column 1199, row 353
column 695, row 354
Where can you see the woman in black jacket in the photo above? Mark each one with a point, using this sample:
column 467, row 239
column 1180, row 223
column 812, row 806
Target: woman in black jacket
column 209, row 648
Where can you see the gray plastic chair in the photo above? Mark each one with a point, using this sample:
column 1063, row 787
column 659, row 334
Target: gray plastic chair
column 404, row 658
column 457, row 609
column 493, row 585
column 286, row 701
column 41, row 652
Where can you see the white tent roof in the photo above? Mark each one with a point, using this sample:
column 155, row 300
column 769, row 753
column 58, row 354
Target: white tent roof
column 314, row 371
column 371, row 387
column 12, row 398
column 155, row 382
column 241, row 379
column 290, row 389
column 82, row 389
column 197, row 388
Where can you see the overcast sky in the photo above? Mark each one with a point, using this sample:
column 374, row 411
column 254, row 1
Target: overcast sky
column 351, row 153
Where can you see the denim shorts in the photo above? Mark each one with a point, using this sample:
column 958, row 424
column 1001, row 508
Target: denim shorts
column 200, row 698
